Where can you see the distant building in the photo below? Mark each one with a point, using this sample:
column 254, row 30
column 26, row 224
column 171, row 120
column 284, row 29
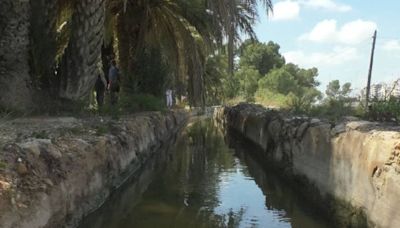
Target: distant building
column 396, row 88
column 382, row 91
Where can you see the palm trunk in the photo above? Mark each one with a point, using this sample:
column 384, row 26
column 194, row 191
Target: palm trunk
column 231, row 44
column 83, row 54
column 43, row 44
column 15, row 82
column 124, row 43
column 196, row 77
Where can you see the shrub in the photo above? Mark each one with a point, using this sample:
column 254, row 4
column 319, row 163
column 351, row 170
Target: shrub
column 271, row 99
column 388, row 110
column 141, row 102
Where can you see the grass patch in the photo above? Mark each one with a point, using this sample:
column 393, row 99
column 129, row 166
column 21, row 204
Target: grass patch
column 141, row 102
column 40, row 135
column 132, row 103
column 3, row 165
column 102, row 130
column 270, row 99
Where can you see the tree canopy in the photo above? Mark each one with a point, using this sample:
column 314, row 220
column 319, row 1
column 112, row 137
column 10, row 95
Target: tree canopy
column 264, row 57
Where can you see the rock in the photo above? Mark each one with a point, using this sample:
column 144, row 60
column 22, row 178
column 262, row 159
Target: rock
column 4, row 185
column 340, row 128
column 301, row 130
column 38, row 146
column 357, row 125
column 31, row 147
column 315, row 121
column 351, row 118
column 22, row 169
column 54, row 152
column 22, row 205
column 48, row 182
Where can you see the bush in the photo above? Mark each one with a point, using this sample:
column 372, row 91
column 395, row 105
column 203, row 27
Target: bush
column 332, row 109
column 141, row 102
column 271, row 99
column 388, row 110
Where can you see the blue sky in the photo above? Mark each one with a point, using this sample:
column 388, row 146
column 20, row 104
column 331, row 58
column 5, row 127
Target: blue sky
column 336, row 37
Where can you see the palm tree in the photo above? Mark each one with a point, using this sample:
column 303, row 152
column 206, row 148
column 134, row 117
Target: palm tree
column 79, row 65
column 177, row 27
column 187, row 30
column 236, row 17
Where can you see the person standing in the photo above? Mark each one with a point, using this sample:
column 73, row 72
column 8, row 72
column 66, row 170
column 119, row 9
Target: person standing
column 168, row 95
column 100, row 88
column 100, row 85
column 113, row 82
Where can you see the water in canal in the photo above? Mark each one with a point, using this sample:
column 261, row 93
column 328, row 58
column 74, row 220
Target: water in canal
column 201, row 182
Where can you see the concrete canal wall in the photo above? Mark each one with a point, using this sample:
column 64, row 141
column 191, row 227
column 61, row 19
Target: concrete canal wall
column 350, row 169
column 54, row 171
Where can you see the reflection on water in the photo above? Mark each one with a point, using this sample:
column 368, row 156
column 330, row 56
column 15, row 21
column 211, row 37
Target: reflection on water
column 200, row 182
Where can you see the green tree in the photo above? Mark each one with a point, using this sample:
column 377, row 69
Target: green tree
column 248, row 80
column 298, row 85
column 219, row 85
column 236, row 17
column 337, row 102
column 279, row 80
column 333, row 89
column 264, row 57
column 335, row 92
column 151, row 76
column 304, row 77
column 78, row 32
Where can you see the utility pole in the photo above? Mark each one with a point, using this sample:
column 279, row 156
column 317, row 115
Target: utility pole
column 370, row 70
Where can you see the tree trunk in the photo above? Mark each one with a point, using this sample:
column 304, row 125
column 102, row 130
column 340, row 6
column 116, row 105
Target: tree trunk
column 196, row 80
column 81, row 60
column 43, row 45
column 15, row 82
column 231, row 45
column 124, row 43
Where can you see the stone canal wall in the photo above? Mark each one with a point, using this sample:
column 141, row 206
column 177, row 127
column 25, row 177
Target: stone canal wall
column 350, row 169
column 54, row 171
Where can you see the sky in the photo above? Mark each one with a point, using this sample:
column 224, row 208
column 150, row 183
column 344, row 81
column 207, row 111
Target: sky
column 336, row 37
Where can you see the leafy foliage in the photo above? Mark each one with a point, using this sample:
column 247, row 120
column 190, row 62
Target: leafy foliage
column 337, row 102
column 298, row 85
column 386, row 110
column 140, row 102
column 248, row 81
column 264, row 57
column 218, row 86
column 149, row 76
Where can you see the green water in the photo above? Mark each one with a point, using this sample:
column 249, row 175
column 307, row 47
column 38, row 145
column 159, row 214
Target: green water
column 201, row 182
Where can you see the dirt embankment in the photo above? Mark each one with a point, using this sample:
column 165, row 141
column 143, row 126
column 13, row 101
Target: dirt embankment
column 54, row 171
column 350, row 169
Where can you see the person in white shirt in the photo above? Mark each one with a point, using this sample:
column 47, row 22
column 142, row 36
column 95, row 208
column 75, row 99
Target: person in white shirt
column 168, row 94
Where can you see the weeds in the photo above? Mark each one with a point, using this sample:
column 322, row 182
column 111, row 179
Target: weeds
column 3, row 165
column 102, row 130
column 388, row 110
column 40, row 135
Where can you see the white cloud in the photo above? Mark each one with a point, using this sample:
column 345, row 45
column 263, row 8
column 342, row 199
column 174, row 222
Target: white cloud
column 353, row 32
column 286, row 10
column 290, row 9
column 356, row 31
column 323, row 31
column 326, row 4
column 339, row 55
column 392, row 45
